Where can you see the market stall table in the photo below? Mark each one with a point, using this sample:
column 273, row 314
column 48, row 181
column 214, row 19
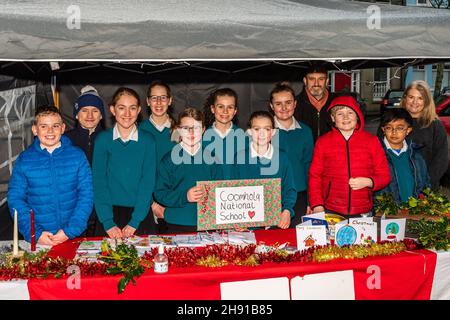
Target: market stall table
column 407, row 275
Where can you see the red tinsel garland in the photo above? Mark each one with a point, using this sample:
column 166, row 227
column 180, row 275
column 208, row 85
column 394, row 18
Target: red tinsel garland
column 41, row 266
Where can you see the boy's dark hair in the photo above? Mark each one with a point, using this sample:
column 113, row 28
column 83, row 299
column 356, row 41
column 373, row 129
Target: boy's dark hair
column 261, row 114
column 45, row 111
column 394, row 115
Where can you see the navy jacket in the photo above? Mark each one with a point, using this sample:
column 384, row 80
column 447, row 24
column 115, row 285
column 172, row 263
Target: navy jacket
column 420, row 174
column 82, row 139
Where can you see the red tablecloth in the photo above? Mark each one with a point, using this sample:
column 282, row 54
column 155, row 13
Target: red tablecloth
column 408, row 275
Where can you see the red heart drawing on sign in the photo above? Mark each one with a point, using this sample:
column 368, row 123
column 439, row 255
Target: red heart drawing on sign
column 251, row 214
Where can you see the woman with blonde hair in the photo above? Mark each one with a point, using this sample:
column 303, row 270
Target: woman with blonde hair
column 428, row 131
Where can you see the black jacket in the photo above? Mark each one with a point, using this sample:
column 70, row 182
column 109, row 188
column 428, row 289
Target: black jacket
column 81, row 138
column 319, row 122
column 433, row 141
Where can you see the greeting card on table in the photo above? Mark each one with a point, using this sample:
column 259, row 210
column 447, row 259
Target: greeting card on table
column 309, row 235
column 367, row 231
column 228, row 204
column 317, row 219
column 393, row 229
column 355, row 232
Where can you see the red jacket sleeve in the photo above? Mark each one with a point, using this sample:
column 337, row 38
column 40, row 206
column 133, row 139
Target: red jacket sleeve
column 381, row 177
column 315, row 176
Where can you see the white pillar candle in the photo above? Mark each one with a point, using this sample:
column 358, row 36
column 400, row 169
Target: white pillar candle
column 16, row 236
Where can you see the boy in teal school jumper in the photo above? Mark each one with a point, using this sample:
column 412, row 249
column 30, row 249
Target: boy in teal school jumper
column 223, row 138
column 263, row 160
column 409, row 173
column 179, row 172
column 294, row 138
column 124, row 170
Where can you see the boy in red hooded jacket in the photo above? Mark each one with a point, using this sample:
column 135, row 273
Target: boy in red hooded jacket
column 348, row 164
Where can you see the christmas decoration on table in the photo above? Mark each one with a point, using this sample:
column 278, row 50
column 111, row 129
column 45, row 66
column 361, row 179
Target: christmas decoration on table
column 385, row 204
column 329, row 253
column 429, row 204
column 123, row 259
column 433, row 234
column 40, row 265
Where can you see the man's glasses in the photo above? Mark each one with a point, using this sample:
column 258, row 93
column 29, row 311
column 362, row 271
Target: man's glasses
column 156, row 98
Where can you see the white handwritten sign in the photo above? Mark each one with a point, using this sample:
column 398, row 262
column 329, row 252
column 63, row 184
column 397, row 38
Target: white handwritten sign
column 239, row 204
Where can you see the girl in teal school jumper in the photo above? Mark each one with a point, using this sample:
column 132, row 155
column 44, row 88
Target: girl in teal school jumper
column 262, row 160
column 296, row 139
column 179, row 171
column 159, row 124
column 124, row 170
column 223, row 138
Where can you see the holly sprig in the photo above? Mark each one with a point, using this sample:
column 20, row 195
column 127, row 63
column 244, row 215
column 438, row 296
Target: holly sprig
column 433, row 234
column 432, row 203
column 386, row 204
column 429, row 202
column 123, row 260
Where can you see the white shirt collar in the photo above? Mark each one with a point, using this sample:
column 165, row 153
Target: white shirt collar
column 221, row 135
column 160, row 128
column 133, row 135
column 50, row 151
column 294, row 125
column 268, row 155
column 403, row 149
column 186, row 149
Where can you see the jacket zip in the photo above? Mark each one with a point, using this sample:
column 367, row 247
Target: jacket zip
column 349, row 176
column 318, row 124
column 328, row 191
column 415, row 172
column 53, row 173
column 89, row 148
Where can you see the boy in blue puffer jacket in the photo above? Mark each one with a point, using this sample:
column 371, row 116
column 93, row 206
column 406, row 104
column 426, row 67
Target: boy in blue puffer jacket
column 53, row 178
column 409, row 174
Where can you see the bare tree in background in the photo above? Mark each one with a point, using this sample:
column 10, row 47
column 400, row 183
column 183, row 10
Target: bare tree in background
column 440, row 4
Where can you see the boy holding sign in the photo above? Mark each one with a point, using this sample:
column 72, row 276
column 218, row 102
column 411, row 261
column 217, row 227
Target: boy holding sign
column 263, row 160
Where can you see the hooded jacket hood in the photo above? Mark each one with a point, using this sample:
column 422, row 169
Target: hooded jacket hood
column 349, row 101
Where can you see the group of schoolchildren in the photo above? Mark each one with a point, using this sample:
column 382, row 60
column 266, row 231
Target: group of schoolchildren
column 144, row 176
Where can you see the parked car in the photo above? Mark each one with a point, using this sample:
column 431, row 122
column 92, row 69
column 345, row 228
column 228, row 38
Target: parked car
column 391, row 100
column 446, row 91
column 443, row 111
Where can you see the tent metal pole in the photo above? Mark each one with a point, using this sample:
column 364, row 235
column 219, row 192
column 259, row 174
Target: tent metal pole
column 169, row 69
column 210, row 69
column 92, row 65
column 28, row 67
column 123, row 69
column 251, row 68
